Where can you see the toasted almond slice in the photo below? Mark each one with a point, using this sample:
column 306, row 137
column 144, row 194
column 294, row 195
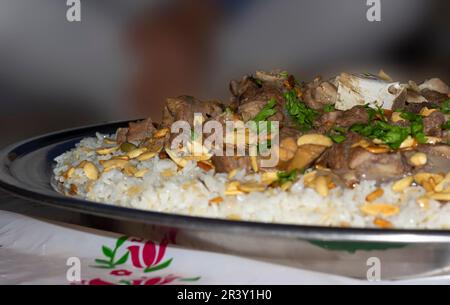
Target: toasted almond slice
column 421, row 177
column 232, row 189
column 378, row 149
column 362, row 143
column 141, row 173
column 107, row 150
column 73, row 190
column 250, row 187
column 425, row 111
column 440, row 196
column 161, row 133
column 113, row 163
column 382, row 223
column 375, row 209
column 254, row 163
column 321, row 186
column 130, row 170
column 146, row 156
column 121, row 157
column 286, row 186
column 418, row 159
column 402, row 184
column 396, row 117
column 136, row 152
column 205, row 165
column 91, row 171
column 178, row 160
column 315, row 139
column 109, row 141
column 68, row 173
column 269, row 177
column 409, row 143
column 232, row 173
column 440, row 185
column 433, row 140
column 309, row 178
column 375, row 195
column 216, row 200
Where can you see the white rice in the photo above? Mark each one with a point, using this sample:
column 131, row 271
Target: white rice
column 188, row 191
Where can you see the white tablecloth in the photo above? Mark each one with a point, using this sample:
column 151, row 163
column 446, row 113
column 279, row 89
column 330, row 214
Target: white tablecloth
column 34, row 251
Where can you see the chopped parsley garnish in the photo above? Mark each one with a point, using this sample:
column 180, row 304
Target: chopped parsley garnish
column 290, row 176
column 416, row 126
column 391, row 135
column 265, row 113
column 446, row 126
column 299, row 111
column 337, row 134
column 376, row 113
column 329, row 108
column 445, row 107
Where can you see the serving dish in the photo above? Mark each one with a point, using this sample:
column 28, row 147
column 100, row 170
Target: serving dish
column 26, row 171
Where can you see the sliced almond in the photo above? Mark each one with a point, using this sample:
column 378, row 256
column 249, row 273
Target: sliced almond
column 396, row 117
column 109, row 141
column 250, row 187
column 383, row 223
column 146, row 156
column 409, row 143
column 91, row 171
column 433, row 140
column 378, row 149
column 113, row 164
column 254, row 163
column 418, row 159
column 440, row 196
column 231, row 189
column 375, row 195
column 136, row 152
column 309, row 178
column 362, row 143
column 376, row 209
column 425, row 111
column 321, row 186
column 161, row 133
column 107, row 150
column 216, row 200
column 175, row 158
column 68, row 173
column 402, row 184
column 141, row 173
column 269, row 177
column 315, row 139
column 205, row 165
column 130, row 170
column 232, row 173
column 420, row 178
column 286, row 186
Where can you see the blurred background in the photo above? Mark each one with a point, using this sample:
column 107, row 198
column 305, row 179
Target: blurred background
column 125, row 57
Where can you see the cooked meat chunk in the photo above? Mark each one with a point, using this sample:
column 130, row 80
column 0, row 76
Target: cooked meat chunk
column 137, row 131
column 433, row 124
column 436, row 85
column 318, row 94
column 356, row 115
column 344, row 158
column 326, row 121
column 183, row 108
column 224, row 164
column 438, row 157
column 380, row 167
column 434, row 96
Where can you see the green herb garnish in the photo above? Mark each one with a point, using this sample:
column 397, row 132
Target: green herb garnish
column 299, row 111
column 446, row 126
column 376, row 113
column 289, row 176
column 337, row 134
column 329, row 108
column 391, row 135
column 416, row 126
column 266, row 112
column 445, row 107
